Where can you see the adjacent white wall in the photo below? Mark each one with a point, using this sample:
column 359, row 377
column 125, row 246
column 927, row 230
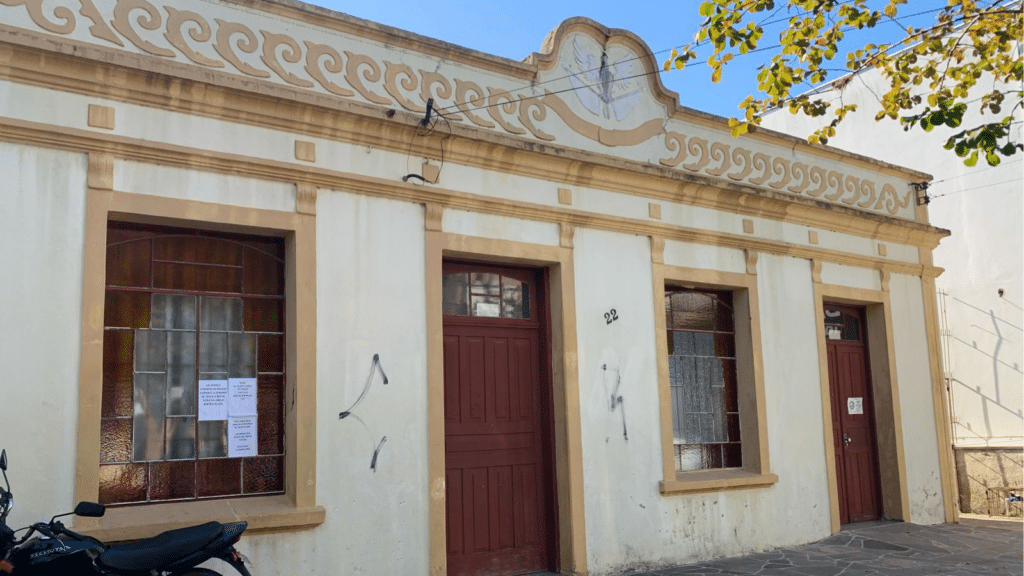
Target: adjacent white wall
column 982, row 207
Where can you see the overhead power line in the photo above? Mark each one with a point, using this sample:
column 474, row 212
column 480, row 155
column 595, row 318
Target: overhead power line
column 656, row 70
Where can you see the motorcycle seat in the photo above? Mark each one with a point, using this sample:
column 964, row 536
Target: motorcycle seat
column 160, row 551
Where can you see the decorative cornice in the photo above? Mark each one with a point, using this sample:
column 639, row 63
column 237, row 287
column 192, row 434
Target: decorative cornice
column 318, row 117
column 301, row 63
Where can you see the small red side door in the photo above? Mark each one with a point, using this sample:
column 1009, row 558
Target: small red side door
column 853, row 422
column 498, row 469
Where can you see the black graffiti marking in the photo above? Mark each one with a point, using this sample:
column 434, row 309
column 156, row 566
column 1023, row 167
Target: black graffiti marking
column 376, row 451
column 611, row 316
column 615, row 401
column 374, row 367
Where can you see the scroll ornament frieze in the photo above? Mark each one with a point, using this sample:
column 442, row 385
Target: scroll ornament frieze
column 172, row 32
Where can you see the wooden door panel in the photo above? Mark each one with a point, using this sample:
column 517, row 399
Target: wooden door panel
column 526, row 513
column 454, row 512
column 853, row 435
column 452, row 360
column 499, row 486
column 472, row 370
column 521, row 368
column 500, row 399
column 502, row 506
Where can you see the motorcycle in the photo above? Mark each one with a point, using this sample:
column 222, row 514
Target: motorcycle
column 56, row 550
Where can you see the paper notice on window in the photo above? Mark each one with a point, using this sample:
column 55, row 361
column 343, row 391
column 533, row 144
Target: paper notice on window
column 241, row 436
column 855, row 405
column 213, row 399
column 241, row 396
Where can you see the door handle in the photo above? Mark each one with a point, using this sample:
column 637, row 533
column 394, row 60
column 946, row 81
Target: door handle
column 846, row 440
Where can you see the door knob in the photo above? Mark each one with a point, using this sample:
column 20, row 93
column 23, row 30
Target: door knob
column 846, row 440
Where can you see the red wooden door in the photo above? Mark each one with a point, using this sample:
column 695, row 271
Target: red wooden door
column 497, row 426
column 853, row 422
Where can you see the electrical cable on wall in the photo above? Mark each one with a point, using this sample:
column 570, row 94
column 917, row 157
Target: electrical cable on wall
column 424, row 129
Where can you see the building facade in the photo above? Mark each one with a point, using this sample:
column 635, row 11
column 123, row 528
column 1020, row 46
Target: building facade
column 408, row 308
column 979, row 295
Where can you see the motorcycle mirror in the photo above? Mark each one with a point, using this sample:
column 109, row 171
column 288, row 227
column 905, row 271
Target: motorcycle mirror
column 90, row 509
column 3, row 468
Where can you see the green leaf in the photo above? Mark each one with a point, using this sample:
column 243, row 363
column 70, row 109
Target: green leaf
column 972, row 160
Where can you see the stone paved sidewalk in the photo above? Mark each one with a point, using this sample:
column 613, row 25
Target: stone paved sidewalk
column 972, row 547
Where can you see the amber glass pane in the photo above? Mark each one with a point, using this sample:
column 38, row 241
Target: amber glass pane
column 725, row 346
column 170, row 480
column 197, row 250
column 117, row 373
column 263, row 315
column 115, row 440
column 126, row 309
column 264, row 474
column 270, row 408
column 197, row 277
column 270, row 354
column 733, row 455
column 733, row 422
column 121, row 483
column 729, row 379
column 220, row 477
column 723, row 312
column 271, row 246
column 176, row 248
column 119, row 233
column 128, row 264
column 263, row 274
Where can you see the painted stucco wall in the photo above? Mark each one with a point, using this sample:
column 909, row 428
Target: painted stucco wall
column 42, row 207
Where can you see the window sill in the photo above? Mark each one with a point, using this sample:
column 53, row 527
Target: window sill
column 714, row 480
column 262, row 513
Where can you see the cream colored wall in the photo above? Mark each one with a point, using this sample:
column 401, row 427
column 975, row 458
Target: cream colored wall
column 42, row 205
column 370, row 273
column 924, row 481
column 630, row 525
column 371, row 301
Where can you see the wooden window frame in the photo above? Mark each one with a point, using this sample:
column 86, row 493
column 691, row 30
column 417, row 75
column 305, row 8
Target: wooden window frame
column 756, row 470
column 174, row 237
column 297, row 507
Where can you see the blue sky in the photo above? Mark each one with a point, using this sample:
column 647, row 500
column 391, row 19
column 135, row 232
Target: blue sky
column 515, row 29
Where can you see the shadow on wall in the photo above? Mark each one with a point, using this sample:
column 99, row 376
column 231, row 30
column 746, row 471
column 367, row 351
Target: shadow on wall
column 987, row 392
column 991, row 480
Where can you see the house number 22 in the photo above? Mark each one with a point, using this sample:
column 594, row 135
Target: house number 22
column 611, row 316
